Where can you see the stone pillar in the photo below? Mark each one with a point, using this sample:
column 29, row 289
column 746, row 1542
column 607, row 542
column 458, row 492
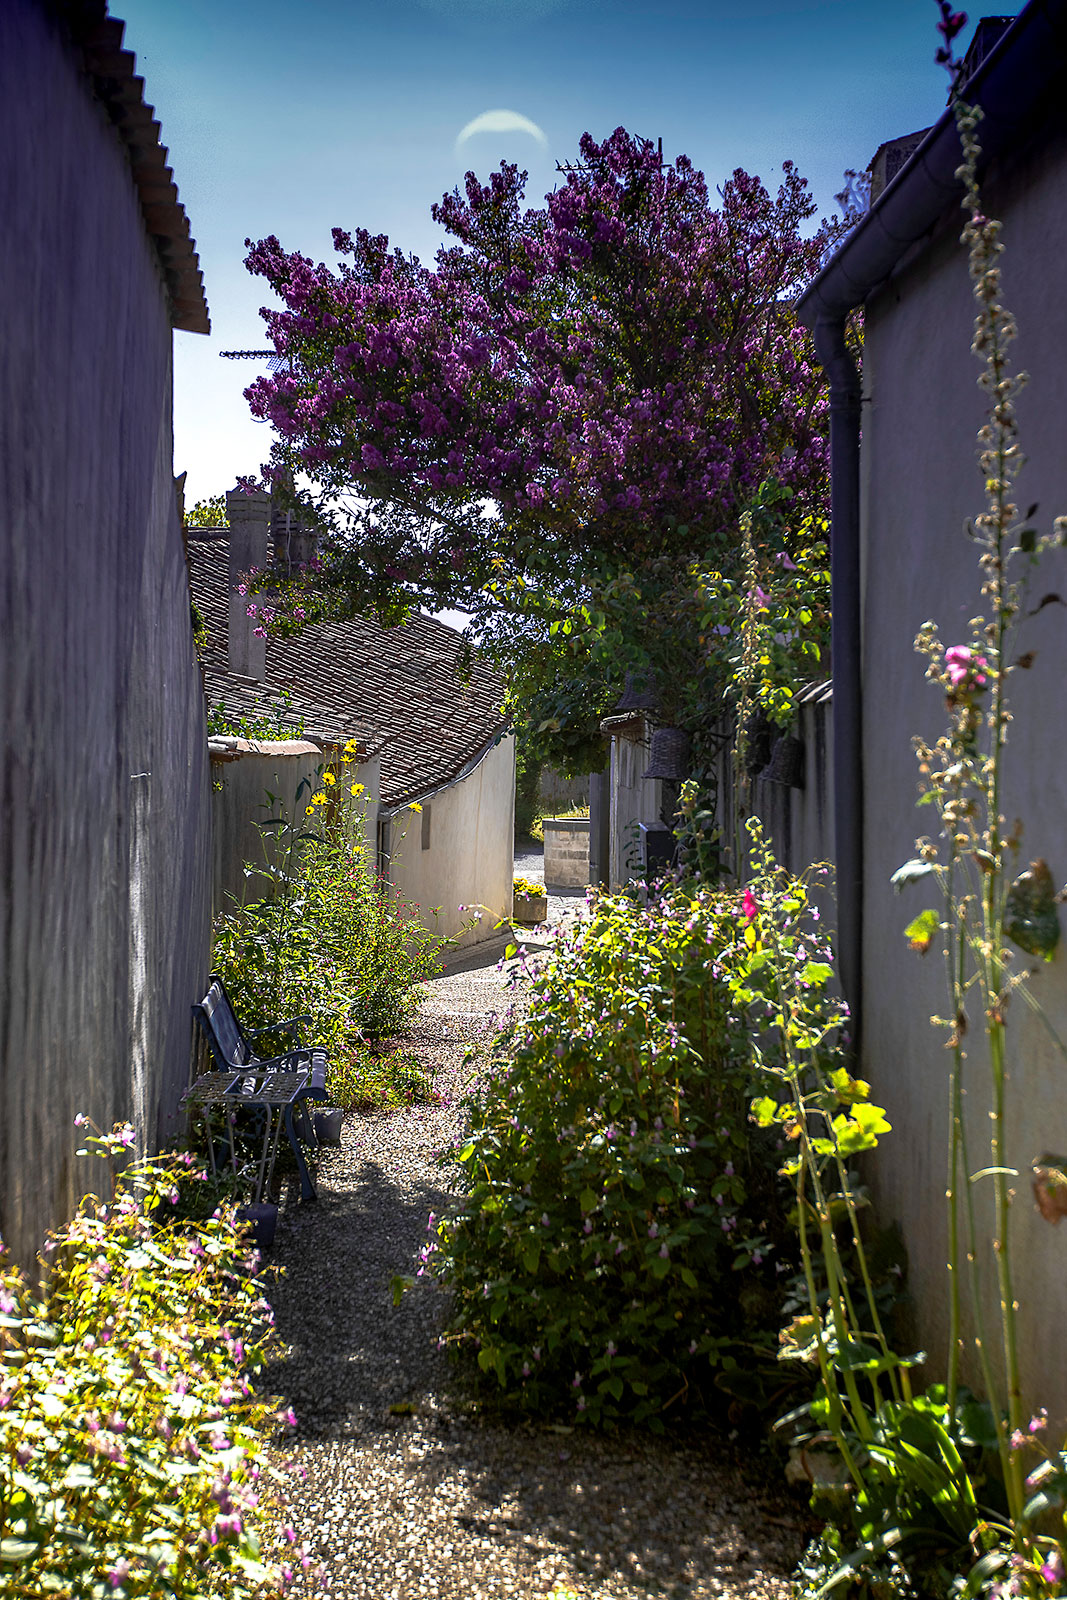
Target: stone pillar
column 249, row 519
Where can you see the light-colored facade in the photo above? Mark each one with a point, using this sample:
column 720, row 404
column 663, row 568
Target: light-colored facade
column 453, row 860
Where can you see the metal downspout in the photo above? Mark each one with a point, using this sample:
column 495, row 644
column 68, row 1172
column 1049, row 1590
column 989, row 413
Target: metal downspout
column 846, row 644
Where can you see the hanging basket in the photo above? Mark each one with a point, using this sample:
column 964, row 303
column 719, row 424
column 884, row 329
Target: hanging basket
column 668, row 754
column 787, row 763
column 759, row 736
column 638, row 692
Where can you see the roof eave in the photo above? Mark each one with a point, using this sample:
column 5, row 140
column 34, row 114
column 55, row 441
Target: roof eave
column 111, row 70
column 1012, row 86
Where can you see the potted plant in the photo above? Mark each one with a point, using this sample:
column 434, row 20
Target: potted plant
column 529, row 901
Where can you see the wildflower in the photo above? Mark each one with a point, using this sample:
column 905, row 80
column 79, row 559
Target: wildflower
column 748, row 905
column 319, row 799
column 965, row 669
column 414, row 806
column 119, row 1573
column 329, row 778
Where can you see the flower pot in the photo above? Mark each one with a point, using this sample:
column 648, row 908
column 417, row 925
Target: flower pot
column 260, row 1219
column 529, row 908
column 328, row 1125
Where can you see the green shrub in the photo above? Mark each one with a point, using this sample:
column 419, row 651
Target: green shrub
column 618, row 1245
column 334, row 941
column 132, row 1447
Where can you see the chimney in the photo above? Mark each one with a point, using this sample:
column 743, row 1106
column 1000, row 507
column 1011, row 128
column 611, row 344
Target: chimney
column 249, row 519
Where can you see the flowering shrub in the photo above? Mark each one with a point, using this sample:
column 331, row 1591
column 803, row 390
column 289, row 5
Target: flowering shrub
column 339, row 948
column 612, row 1188
column 615, row 370
column 132, row 1447
column 529, row 886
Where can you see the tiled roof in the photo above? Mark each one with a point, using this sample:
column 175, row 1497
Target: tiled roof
column 396, row 690
column 111, row 71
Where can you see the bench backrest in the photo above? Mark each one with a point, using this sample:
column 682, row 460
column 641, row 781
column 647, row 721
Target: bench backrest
column 215, row 1015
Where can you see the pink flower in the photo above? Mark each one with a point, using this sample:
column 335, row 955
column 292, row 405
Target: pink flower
column 965, row 669
column 748, row 904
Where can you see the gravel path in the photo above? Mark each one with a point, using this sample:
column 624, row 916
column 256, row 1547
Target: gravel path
column 407, row 1492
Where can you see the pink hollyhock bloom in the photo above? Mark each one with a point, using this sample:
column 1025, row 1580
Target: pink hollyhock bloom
column 748, row 904
column 964, row 668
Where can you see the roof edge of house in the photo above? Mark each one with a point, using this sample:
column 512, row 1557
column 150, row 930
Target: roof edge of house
column 472, row 763
column 112, row 71
column 1012, row 85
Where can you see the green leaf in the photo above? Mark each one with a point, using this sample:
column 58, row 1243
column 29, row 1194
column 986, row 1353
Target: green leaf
column 920, row 932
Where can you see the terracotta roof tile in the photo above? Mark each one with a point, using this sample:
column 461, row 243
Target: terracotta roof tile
column 396, row 690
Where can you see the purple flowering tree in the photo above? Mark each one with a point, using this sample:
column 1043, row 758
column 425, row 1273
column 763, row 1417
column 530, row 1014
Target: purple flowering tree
column 567, row 391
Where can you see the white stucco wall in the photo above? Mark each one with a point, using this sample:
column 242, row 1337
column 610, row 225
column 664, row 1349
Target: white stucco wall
column 920, row 482
column 245, row 772
column 471, row 855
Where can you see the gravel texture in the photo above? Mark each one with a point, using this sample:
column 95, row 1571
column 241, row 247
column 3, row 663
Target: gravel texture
column 400, row 1488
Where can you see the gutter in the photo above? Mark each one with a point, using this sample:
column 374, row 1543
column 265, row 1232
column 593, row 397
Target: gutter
column 1015, row 85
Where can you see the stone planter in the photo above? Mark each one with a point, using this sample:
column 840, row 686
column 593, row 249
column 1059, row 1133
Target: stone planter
column 529, row 908
column 566, row 852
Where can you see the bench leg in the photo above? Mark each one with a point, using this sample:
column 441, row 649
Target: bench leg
column 307, row 1187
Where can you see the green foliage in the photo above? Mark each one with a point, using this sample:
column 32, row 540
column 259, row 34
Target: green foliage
column 210, row 513
column 615, row 1248
column 334, row 940
column 132, row 1447
column 274, row 718
column 527, row 783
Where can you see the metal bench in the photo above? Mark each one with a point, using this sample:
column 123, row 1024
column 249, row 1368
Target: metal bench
column 280, row 1087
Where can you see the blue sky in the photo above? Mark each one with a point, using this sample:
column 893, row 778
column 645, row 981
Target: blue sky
column 294, row 116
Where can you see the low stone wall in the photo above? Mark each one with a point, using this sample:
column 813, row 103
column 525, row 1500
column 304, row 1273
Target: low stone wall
column 566, row 853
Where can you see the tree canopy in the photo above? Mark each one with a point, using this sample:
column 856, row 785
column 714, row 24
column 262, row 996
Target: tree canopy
column 566, row 391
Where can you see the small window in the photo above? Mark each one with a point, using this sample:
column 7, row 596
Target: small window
column 426, row 813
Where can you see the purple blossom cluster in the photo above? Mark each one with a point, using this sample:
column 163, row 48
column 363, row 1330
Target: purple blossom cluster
column 606, row 369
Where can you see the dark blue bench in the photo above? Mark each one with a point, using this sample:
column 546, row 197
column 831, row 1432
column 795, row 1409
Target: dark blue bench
column 281, row 1086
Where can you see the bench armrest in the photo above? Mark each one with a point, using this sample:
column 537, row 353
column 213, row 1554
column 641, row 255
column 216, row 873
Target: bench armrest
column 276, row 1027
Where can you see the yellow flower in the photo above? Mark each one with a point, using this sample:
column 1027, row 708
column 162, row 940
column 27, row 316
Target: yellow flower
column 414, row 806
column 319, row 799
column 351, row 747
column 309, row 811
column 328, row 777
column 356, row 789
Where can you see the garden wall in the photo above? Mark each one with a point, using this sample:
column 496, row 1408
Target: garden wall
column 798, row 819
column 104, row 811
column 245, row 773
column 920, row 482
column 566, row 853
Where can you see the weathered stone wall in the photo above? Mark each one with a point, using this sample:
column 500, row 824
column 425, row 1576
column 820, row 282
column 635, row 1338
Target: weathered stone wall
column 104, row 808
column 566, row 853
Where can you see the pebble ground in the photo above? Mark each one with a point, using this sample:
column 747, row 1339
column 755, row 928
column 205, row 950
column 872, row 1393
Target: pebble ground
column 399, row 1488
